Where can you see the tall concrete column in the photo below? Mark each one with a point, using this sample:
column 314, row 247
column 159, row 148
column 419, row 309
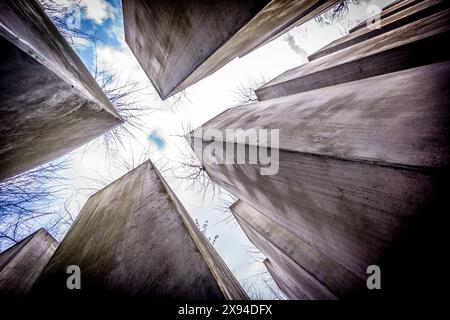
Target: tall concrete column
column 21, row 264
column 180, row 42
column 49, row 102
column 314, row 10
column 135, row 239
column 362, row 165
column 408, row 14
column 287, row 291
column 306, row 272
column 399, row 49
column 389, row 10
column 361, row 168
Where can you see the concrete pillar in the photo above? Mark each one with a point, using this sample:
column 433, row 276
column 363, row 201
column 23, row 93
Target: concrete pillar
column 361, row 164
column 392, row 51
column 50, row 104
column 307, row 273
column 389, row 10
column 134, row 239
column 178, row 43
column 409, row 14
column 271, row 268
column 21, row 264
column 302, row 16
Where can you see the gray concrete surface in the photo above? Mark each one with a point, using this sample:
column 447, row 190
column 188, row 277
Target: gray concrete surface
column 360, row 163
column 396, row 50
column 389, row 10
column 302, row 16
column 50, row 104
column 307, row 273
column 178, row 43
column 134, row 239
column 272, row 269
column 392, row 22
column 21, row 264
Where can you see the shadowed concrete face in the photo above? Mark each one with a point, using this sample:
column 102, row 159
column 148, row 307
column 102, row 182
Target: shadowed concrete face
column 302, row 284
column 405, row 47
column 410, row 14
column 388, row 11
column 178, row 43
column 308, row 273
column 135, row 239
column 50, row 104
column 280, row 283
column 21, row 264
column 303, row 15
column 361, row 164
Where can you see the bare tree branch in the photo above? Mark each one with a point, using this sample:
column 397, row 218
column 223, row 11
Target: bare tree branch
column 337, row 13
column 245, row 91
column 204, row 230
column 62, row 12
column 26, row 198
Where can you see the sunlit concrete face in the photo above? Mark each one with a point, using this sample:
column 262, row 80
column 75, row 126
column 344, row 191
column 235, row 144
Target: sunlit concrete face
column 50, row 104
column 21, row 264
column 134, row 239
column 178, row 43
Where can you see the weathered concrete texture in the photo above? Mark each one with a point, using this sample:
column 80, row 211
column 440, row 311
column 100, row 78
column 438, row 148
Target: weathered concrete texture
column 50, row 104
column 134, row 239
column 178, row 43
column 399, row 19
column 21, row 264
column 272, row 269
column 358, row 163
column 399, row 4
column 302, row 16
column 387, row 11
column 308, row 273
column 399, row 49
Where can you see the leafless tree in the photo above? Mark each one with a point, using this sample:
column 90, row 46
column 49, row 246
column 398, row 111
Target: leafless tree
column 336, row 16
column 253, row 290
column 225, row 202
column 263, row 275
column 336, row 13
column 204, row 229
column 25, row 199
column 61, row 13
column 122, row 96
column 174, row 102
column 193, row 173
column 245, row 91
column 188, row 168
column 273, row 288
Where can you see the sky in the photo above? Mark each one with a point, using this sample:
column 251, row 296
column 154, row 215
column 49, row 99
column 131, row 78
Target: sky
column 91, row 169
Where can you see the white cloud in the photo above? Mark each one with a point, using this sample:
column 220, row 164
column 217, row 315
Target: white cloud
column 98, row 11
column 116, row 32
column 122, row 61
